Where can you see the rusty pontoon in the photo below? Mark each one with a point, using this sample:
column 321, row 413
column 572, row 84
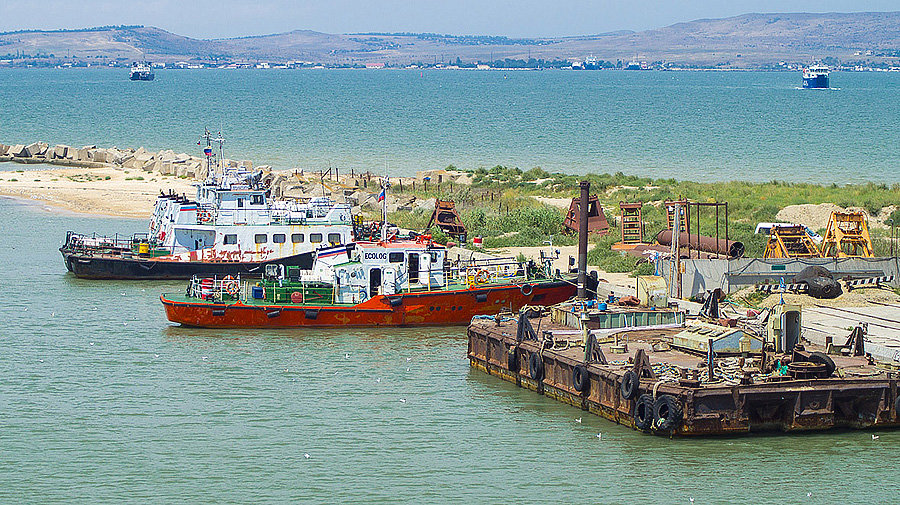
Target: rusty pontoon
column 659, row 379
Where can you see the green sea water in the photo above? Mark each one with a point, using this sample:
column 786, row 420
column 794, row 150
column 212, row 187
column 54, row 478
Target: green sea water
column 103, row 401
column 702, row 126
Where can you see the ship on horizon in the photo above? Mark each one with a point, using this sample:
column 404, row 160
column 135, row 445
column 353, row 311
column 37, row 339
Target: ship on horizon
column 141, row 71
column 815, row 77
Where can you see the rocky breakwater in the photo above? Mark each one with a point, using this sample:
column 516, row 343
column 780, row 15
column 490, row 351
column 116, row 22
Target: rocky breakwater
column 165, row 162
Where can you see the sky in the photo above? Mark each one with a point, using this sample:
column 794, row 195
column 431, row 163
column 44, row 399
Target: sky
column 512, row 18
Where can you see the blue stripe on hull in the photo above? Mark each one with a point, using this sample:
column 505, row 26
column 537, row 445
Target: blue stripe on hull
column 815, row 82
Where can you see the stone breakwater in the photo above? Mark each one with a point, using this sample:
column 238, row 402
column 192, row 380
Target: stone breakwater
column 165, row 162
column 360, row 189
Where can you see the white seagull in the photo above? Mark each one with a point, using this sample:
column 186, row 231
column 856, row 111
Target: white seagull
column 306, row 455
column 402, row 400
column 577, row 419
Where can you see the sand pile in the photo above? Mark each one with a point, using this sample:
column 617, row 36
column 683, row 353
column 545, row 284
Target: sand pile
column 816, row 216
column 855, row 298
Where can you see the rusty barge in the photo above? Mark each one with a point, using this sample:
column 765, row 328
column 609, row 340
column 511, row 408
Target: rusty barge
column 656, row 375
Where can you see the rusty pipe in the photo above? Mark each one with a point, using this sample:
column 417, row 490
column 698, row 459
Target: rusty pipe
column 583, row 237
column 730, row 248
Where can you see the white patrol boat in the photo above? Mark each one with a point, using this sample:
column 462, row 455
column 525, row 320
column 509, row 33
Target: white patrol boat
column 232, row 226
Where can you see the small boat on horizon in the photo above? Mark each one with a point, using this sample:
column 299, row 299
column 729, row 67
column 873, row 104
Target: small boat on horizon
column 141, row 71
column 815, row 77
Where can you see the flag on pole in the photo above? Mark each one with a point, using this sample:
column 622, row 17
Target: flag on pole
column 207, row 151
column 382, row 194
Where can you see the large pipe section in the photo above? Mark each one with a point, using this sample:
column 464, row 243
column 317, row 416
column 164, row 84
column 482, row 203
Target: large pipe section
column 730, row 248
column 583, row 237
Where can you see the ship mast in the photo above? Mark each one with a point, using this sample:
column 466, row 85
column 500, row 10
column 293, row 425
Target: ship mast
column 385, row 184
column 210, row 155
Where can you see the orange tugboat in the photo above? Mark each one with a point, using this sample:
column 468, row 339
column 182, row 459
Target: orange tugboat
column 384, row 283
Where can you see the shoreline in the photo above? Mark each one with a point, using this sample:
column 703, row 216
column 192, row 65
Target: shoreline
column 95, row 191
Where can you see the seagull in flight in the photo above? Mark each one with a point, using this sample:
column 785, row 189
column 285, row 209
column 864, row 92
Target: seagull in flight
column 578, row 420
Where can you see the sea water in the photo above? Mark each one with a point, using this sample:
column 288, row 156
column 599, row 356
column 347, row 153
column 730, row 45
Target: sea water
column 103, row 401
column 703, row 126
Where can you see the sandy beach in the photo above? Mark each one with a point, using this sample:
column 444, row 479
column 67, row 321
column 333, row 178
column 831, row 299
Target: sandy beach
column 107, row 191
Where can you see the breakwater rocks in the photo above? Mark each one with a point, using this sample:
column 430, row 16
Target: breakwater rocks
column 165, row 162
column 359, row 189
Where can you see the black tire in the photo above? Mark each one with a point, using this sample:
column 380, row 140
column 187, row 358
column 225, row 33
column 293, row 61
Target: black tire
column 526, row 289
column 643, row 412
column 667, row 413
column 512, row 360
column 630, row 385
column 536, row 367
column 821, row 357
column 580, row 379
column 823, row 287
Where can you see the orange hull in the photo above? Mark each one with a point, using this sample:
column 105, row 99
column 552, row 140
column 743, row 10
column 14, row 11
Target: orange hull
column 406, row 309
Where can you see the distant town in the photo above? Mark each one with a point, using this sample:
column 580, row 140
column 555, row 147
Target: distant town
column 589, row 63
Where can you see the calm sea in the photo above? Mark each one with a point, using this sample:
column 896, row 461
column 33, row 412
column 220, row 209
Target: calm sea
column 102, row 401
column 688, row 125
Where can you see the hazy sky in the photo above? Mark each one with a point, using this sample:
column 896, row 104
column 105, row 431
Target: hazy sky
column 522, row 18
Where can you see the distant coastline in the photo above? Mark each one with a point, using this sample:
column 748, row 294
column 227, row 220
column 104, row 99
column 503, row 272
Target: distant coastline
column 749, row 41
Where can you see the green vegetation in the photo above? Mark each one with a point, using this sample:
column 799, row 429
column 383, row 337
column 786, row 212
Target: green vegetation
column 138, row 178
column 499, row 206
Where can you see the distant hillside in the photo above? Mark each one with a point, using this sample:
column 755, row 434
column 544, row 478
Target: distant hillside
column 749, row 40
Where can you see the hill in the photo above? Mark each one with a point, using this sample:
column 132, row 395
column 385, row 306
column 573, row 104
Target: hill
column 749, row 41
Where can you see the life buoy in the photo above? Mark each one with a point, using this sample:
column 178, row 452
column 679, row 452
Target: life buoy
column 231, row 285
column 204, row 216
column 667, row 413
column 482, row 277
column 526, row 289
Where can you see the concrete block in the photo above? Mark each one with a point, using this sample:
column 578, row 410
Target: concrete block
column 34, row 149
column 99, row 155
column 60, row 152
column 18, row 151
column 3, row 149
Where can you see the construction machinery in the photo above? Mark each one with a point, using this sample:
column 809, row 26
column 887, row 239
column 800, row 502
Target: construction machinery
column 596, row 219
column 632, row 223
column 847, row 236
column 790, row 242
column 447, row 219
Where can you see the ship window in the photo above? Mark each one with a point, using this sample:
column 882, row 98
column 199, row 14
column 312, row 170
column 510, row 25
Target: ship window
column 231, row 238
column 278, row 238
column 395, row 257
column 240, row 202
column 315, row 238
column 256, row 199
column 297, row 238
column 334, row 238
column 260, row 238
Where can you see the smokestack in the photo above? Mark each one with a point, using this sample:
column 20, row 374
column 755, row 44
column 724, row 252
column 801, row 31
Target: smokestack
column 583, row 237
